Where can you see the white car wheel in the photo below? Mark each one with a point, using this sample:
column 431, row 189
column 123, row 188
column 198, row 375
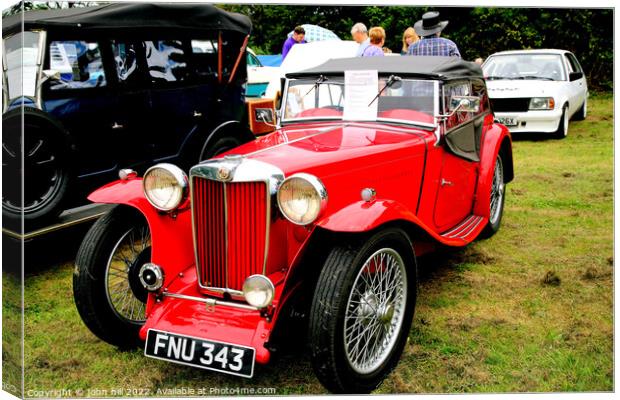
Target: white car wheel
column 562, row 131
column 582, row 113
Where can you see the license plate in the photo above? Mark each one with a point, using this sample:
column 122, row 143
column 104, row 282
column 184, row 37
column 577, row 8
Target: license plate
column 508, row 121
column 195, row 352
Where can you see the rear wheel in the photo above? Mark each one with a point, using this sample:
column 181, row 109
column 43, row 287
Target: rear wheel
column 362, row 311
column 106, row 287
column 562, row 131
column 496, row 205
column 220, row 146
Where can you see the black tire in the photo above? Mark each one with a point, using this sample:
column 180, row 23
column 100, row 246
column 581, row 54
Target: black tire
column 497, row 198
column 219, row 146
column 562, row 131
column 96, row 302
column 46, row 179
column 582, row 113
column 334, row 296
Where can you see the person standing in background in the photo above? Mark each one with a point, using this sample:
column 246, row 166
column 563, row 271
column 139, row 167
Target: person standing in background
column 377, row 39
column 359, row 32
column 299, row 33
column 431, row 44
column 409, row 38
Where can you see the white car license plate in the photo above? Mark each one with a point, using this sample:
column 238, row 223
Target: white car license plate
column 508, row 121
column 217, row 356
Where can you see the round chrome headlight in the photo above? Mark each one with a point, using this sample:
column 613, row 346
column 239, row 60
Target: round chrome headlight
column 258, row 291
column 301, row 198
column 165, row 186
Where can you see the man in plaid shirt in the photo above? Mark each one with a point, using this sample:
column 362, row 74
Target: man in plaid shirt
column 431, row 44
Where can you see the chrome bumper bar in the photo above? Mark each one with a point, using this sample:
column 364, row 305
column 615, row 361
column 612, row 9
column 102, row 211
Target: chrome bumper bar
column 210, row 302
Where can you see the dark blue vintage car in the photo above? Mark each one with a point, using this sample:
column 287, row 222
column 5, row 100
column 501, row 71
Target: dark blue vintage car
column 112, row 87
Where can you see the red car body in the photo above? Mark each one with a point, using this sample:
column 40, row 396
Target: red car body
column 419, row 184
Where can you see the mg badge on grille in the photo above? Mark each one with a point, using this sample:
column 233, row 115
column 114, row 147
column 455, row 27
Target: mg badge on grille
column 223, row 173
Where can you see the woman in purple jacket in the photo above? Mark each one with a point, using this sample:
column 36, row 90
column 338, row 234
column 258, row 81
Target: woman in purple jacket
column 377, row 39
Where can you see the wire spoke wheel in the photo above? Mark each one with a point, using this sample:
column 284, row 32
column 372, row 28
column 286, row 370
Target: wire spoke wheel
column 375, row 311
column 497, row 191
column 126, row 258
column 362, row 311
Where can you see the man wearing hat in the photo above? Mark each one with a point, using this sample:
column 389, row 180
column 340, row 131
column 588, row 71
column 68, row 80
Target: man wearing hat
column 431, row 44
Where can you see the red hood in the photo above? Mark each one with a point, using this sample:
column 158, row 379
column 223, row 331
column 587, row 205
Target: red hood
column 305, row 148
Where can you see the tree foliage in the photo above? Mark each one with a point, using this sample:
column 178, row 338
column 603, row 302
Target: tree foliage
column 479, row 32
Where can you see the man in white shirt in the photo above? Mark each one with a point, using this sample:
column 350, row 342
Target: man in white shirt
column 360, row 35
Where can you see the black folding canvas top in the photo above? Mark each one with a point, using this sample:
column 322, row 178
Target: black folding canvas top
column 131, row 16
column 442, row 68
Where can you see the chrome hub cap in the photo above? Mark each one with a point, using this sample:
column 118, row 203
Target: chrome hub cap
column 497, row 190
column 133, row 247
column 375, row 311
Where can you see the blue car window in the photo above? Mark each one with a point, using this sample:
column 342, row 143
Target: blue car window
column 79, row 64
column 252, row 61
column 166, row 60
column 125, row 61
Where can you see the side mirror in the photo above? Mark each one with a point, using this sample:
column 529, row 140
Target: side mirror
column 465, row 103
column 262, row 116
column 573, row 76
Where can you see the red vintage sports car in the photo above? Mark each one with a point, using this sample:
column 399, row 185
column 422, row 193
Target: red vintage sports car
column 375, row 161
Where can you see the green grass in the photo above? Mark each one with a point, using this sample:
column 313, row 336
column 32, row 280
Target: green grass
column 485, row 321
column 11, row 334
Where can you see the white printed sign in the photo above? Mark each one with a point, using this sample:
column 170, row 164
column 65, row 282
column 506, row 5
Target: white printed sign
column 361, row 87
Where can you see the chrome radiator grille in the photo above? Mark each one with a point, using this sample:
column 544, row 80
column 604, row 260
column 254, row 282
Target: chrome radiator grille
column 230, row 231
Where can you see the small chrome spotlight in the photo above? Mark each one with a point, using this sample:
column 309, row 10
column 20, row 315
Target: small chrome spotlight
column 151, row 277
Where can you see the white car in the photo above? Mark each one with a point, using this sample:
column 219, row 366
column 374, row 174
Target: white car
column 536, row 90
column 259, row 76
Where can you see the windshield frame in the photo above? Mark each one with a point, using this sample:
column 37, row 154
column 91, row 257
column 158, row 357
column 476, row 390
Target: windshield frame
column 382, row 76
column 38, row 73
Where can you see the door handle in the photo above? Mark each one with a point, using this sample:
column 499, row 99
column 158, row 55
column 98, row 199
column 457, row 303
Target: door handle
column 116, row 125
column 446, row 183
column 197, row 114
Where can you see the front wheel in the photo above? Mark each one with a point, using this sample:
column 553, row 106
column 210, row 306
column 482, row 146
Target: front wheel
column 106, row 287
column 46, row 177
column 582, row 113
column 562, row 131
column 362, row 311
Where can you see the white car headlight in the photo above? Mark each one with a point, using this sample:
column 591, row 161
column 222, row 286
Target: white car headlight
column 258, row 291
column 542, row 103
column 301, row 198
column 165, row 186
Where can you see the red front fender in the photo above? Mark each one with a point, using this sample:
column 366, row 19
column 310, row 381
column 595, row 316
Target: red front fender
column 365, row 216
column 171, row 235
